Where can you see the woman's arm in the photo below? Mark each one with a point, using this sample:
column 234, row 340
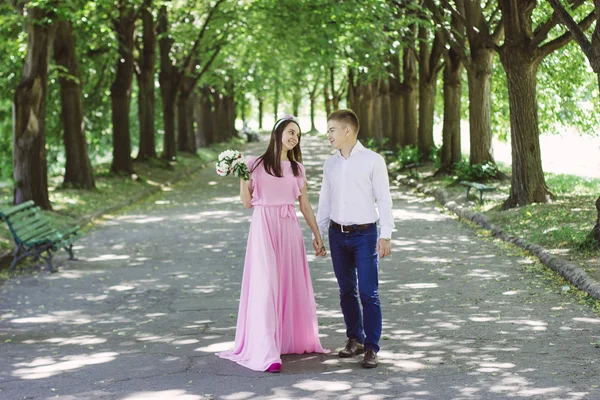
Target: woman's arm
column 309, row 216
column 246, row 192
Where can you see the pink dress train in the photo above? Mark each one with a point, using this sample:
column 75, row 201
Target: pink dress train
column 277, row 311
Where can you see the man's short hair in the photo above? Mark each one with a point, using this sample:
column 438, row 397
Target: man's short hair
column 347, row 116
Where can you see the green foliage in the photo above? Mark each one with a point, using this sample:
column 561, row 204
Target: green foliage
column 475, row 172
column 436, row 156
column 408, row 155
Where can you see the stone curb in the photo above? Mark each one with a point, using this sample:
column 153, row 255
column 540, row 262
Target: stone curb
column 86, row 220
column 569, row 270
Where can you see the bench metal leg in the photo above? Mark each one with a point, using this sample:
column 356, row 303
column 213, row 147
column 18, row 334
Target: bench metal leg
column 48, row 260
column 69, row 250
column 481, row 197
column 18, row 255
column 468, row 190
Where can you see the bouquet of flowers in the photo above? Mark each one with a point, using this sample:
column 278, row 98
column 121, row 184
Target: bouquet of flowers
column 232, row 162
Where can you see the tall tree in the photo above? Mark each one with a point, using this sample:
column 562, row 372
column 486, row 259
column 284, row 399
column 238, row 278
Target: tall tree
column 429, row 67
column 451, row 133
column 523, row 50
column 30, row 169
column 120, row 91
column 483, row 30
column 145, row 78
column 78, row 169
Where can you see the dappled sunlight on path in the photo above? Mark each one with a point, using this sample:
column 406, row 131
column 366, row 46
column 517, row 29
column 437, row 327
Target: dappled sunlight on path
column 155, row 295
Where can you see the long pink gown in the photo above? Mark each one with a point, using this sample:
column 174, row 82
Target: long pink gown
column 277, row 311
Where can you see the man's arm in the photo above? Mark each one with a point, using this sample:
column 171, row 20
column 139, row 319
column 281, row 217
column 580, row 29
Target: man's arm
column 324, row 210
column 381, row 189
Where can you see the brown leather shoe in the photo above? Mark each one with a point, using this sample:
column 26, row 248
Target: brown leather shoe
column 352, row 348
column 370, row 360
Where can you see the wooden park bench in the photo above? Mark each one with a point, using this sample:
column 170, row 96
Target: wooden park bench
column 34, row 236
column 477, row 186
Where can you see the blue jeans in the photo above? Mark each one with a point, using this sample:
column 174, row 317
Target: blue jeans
column 356, row 267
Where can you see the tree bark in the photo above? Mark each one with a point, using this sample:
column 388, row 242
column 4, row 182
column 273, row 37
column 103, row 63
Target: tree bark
column 167, row 86
column 410, row 85
column 204, row 117
column 185, row 128
column 30, row 169
column 429, row 60
column 276, row 104
column 78, row 169
column 328, row 101
column 396, row 103
column 386, row 111
column 451, row 141
column 480, row 107
column 260, row 113
column 596, row 230
column 369, row 100
column 377, row 122
column 528, row 184
column 120, row 93
column 146, row 96
column 351, row 95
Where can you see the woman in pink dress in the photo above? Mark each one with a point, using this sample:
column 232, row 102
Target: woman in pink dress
column 277, row 311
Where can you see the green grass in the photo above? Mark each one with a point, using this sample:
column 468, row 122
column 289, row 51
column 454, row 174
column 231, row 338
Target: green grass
column 69, row 205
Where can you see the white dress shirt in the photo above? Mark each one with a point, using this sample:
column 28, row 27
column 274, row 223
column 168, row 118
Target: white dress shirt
column 350, row 189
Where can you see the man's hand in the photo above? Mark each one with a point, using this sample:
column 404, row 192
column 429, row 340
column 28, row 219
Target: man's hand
column 319, row 247
column 384, row 247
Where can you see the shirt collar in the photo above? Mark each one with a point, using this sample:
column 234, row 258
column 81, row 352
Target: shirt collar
column 357, row 147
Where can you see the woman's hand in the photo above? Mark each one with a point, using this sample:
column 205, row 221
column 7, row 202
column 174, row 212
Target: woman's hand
column 319, row 247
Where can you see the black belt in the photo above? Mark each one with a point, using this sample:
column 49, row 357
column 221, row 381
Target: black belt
column 350, row 228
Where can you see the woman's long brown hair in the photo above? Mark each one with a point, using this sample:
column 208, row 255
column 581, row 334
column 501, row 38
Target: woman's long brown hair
column 272, row 157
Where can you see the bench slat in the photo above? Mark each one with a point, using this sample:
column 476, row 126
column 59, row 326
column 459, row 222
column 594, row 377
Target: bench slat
column 25, row 220
column 25, row 229
column 65, row 242
column 7, row 212
column 39, row 235
column 22, row 215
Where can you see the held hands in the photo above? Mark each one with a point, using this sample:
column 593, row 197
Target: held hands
column 384, row 247
column 319, row 247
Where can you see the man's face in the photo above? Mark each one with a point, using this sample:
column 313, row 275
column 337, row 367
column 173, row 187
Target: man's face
column 338, row 133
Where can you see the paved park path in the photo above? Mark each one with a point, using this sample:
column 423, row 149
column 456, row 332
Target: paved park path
column 155, row 292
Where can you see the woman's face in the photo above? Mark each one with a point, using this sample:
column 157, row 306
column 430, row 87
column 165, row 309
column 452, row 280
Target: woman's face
column 290, row 136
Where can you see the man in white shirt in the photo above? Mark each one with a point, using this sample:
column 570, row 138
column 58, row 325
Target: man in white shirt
column 354, row 179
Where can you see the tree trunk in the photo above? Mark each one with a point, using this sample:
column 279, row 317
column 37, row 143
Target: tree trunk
column 396, row 104
column 428, row 64
column 596, row 230
column 30, row 169
column 480, row 92
column 204, row 117
column 296, row 100
column 351, row 95
column 451, row 151
column 377, row 112
column 410, row 137
column 369, row 122
column 217, row 114
column 276, row 105
column 184, row 131
column 260, row 113
column 78, row 169
column 528, row 184
column 232, row 113
column 120, row 93
column 167, row 86
column 313, row 100
column 386, row 111
column 328, row 102
column 146, row 97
